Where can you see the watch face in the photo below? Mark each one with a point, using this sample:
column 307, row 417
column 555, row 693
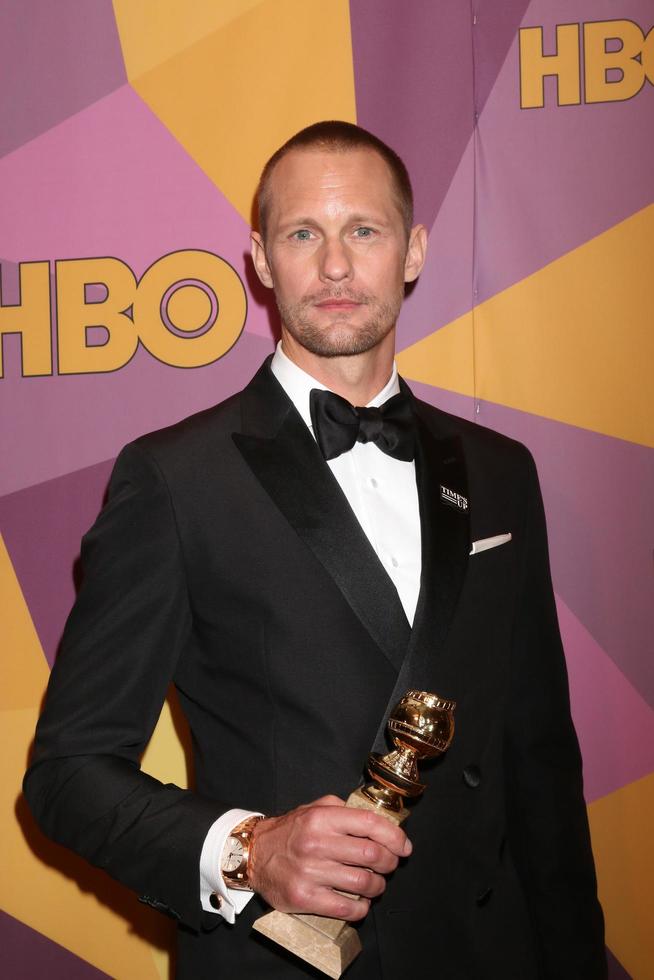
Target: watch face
column 233, row 854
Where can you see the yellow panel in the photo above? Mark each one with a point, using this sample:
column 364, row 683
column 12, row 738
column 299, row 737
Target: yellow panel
column 114, row 931
column 106, row 933
column 151, row 31
column 236, row 95
column 574, row 342
column 170, row 746
column 444, row 359
column 25, row 670
column 161, row 959
column 623, row 844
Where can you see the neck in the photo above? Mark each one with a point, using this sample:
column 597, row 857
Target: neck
column 357, row 377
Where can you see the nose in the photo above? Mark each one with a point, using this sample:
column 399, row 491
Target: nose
column 335, row 261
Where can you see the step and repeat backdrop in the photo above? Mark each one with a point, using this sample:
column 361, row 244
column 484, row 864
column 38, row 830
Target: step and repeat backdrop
column 132, row 134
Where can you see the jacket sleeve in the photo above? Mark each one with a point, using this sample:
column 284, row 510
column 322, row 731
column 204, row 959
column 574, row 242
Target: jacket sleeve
column 118, row 654
column 547, row 824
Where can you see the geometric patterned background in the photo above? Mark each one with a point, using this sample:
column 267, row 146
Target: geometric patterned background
column 137, row 129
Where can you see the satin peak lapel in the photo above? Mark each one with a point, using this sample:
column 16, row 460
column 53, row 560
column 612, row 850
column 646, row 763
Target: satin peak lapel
column 440, row 473
column 291, row 469
column 445, row 532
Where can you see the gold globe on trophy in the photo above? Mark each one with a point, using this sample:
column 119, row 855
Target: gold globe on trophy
column 421, row 726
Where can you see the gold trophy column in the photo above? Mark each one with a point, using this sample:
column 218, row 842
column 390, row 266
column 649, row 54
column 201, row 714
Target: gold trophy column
column 421, row 726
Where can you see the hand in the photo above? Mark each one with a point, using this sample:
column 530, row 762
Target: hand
column 298, row 859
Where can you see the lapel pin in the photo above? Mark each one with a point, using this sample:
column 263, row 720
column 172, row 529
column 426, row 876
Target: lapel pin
column 454, row 499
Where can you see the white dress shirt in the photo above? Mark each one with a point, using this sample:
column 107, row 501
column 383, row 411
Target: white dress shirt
column 383, row 494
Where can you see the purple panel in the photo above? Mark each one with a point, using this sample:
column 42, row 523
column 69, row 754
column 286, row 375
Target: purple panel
column 447, row 401
column 28, row 955
column 9, row 282
column 55, row 59
column 413, row 77
column 42, row 528
column 550, row 179
column 616, row 970
column 497, row 24
column 598, row 494
column 444, row 290
column 414, row 81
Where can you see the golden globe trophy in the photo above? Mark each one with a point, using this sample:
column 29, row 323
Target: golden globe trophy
column 421, row 726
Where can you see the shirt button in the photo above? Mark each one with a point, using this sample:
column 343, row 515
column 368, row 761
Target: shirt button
column 394, row 562
column 373, row 483
column 472, row 776
column 215, row 901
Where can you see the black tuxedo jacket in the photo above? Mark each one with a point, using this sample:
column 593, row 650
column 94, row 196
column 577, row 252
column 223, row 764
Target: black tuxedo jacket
column 228, row 559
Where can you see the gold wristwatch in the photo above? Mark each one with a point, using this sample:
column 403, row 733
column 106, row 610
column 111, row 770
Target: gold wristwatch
column 236, row 855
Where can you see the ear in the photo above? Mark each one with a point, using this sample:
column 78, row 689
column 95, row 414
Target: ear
column 258, row 252
column 416, row 253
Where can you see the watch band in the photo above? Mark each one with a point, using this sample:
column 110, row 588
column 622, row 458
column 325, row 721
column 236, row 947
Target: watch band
column 239, row 877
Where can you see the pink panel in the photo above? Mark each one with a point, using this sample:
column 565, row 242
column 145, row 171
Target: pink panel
column 116, row 183
column 615, row 725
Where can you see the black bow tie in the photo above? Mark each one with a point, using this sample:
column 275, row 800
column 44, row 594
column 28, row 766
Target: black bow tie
column 337, row 425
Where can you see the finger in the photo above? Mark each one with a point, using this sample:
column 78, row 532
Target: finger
column 329, row 800
column 355, row 882
column 360, row 852
column 341, row 905
column 366, row 823
column 322, row 900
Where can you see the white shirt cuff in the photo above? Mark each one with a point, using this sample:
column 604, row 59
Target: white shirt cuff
column 232, row 900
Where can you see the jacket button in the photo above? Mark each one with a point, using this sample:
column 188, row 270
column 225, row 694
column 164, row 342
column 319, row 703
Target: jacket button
column 215, row 901
column 484, row 897
column 472, row 776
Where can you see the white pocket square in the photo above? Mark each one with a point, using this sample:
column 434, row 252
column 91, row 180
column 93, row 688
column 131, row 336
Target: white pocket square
column 485, row 543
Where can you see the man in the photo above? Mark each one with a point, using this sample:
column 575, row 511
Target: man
column 290, row 561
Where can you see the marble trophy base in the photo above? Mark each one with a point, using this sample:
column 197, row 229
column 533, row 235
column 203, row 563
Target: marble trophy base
column 328, row 944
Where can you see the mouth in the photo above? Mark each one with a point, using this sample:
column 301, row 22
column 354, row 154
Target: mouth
column 337, row 304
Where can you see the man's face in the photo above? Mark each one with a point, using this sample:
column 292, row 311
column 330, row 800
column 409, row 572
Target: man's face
column 336, row 250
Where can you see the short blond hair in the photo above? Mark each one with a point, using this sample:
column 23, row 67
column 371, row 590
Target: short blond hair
column 340, row 137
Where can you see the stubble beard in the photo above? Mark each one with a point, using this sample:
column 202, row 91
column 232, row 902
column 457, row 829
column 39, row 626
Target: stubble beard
column 338, row 338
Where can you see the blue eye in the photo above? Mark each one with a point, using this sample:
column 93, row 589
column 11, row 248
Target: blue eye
column 302, row 235
column 363, row 232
